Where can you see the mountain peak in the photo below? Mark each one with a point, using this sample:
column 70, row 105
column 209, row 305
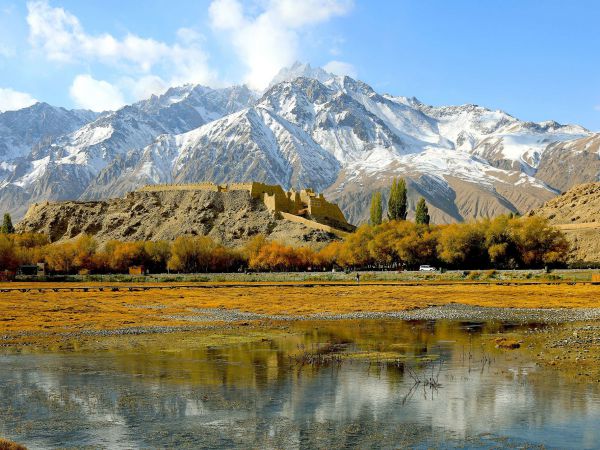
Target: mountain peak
column 304, row 70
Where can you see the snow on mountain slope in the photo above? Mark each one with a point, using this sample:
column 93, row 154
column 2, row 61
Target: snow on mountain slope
column 23, row 129
column 365, row 138
column 496, row 136
column 301, row 70
column 252, row 144
column 76, row 159
column 566, row 164
column 336, row 120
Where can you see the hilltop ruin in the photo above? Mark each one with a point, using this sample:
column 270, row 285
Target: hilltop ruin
column 229, row 213
column 303, row 203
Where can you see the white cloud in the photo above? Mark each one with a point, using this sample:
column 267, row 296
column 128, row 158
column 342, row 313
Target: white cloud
column 597, row 107
column 226, row 14
column 97, row 95
column 11, row 100
column 61, row 37
column 341, row 68
column 269, row 41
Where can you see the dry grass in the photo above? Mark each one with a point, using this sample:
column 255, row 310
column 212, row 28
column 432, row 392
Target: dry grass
column 5, row 444
column 507, row 343
column 72, row 311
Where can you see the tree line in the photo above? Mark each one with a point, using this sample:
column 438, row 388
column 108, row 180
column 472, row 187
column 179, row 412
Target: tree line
column 504, row 242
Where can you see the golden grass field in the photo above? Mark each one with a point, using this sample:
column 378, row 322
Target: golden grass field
column 74, row 311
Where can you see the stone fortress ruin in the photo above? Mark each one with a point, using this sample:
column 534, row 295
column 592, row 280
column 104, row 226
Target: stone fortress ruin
column 298, row 206
column 228, row 213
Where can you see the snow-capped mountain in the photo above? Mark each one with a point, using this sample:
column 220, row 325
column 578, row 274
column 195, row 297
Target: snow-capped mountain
column 25, row 129
column 68, row 166
column 308, row 129
column 301, row 70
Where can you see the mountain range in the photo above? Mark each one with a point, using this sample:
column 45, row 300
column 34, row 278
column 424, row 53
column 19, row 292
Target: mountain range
column 310, row 128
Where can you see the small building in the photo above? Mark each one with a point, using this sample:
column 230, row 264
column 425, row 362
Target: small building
column 137, row 270
column 33, row 270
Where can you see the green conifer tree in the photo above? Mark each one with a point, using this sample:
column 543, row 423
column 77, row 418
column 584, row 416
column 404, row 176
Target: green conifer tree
column 7, row 226
column 422, row 212
column 393, row 201
column 376, row 216
column 398, row 203
column 402, row 199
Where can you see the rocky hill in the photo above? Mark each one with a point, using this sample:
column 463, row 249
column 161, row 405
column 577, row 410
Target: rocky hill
column 231, row 218
column 577, row 213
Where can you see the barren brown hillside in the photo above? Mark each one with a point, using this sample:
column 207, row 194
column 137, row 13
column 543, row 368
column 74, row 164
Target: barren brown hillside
column 231, row 218
column 577, row 213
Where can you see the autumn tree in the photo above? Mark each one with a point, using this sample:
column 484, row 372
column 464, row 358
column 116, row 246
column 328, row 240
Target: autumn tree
column 329, row 256
column 8, row 259
column 376, row 213
column 463, row 245
column 121, row 255
column 402, row 244
column 156, row 255
column 422, row 212
column 188, row 254
column 202, row 254
column 381, row 246
column 30, row 240
column 60, row 256
column 537, row 242
column 417, row 246
column 355, row 251
column 84, row 251
column 253, row 246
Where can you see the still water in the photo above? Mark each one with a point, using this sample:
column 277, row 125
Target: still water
column 354, row 384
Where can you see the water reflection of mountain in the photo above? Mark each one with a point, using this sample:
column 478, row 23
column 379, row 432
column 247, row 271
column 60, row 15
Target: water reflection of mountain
column 256, row 395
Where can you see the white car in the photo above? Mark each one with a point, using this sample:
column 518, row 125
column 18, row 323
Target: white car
column 426, row 268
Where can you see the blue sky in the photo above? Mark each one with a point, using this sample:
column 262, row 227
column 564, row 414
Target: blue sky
column 534, row 59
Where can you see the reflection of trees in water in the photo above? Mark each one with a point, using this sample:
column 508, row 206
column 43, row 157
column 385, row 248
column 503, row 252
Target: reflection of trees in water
column 254, row 395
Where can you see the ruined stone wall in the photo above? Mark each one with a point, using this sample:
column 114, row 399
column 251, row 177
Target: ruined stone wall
column 259, row 189
column 314, row 225
column 273, row 196
column 318, row 208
